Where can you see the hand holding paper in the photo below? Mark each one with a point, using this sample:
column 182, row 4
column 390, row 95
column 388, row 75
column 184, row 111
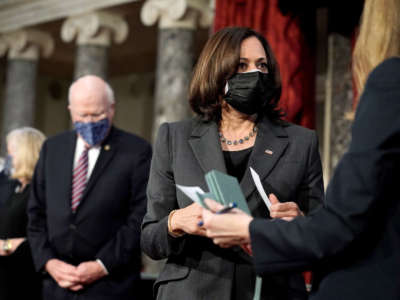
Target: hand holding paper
column 286, row 210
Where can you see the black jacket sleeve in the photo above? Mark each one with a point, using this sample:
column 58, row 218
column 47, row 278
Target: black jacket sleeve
column 362, row 187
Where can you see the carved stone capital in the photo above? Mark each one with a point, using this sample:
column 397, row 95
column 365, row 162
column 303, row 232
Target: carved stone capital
column 177, row 13
column 26, row 44
column 96, row 28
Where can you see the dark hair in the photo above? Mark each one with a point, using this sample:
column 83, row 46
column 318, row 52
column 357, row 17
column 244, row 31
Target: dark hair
column 219, row 61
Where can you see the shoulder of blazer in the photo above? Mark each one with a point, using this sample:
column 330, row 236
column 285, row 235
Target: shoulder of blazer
column 196, row 127
column 126, row 139
column 296, row 131
column 287, row 129
column 188, row 128
column 61, row 139
column 117, row 137
column 376, row 123
column 387, row 72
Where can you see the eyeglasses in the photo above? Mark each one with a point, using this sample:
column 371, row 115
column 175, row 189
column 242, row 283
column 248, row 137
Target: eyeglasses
column 91, row 117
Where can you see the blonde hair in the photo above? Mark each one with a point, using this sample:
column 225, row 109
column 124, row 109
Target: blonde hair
column 379, row 38
column 27, row 143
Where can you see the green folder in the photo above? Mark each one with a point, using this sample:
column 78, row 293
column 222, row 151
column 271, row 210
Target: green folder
column 226, row 190
column 202, row 197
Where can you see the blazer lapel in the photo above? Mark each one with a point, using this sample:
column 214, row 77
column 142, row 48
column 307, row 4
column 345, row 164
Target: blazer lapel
column 66, row 166
column 108, row 150
column 206, row 147
column 270, row 144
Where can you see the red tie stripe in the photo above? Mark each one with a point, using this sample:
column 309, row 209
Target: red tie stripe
column 79, row 179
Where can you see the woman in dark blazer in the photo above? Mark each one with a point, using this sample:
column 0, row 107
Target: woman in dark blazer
column 234, row 92
column 18, row 279
column 353, row 242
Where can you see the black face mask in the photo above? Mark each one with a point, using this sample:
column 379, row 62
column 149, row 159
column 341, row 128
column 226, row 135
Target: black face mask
column 248, row 91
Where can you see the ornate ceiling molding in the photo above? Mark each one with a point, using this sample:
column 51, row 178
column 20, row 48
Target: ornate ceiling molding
column 96, row 28
column 26, row 44
column 17, row 14
column 177, row 13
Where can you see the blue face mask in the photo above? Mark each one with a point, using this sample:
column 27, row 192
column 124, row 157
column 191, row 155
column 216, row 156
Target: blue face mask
column 93, row 132
column 7, row 169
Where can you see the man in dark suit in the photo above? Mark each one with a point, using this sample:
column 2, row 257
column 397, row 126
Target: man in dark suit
column 87, row 202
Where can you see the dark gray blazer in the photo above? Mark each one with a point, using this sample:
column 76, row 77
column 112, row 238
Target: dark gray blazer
column 184, row 153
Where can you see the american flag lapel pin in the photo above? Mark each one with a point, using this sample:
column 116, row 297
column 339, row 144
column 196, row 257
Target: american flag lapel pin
column 269, row 152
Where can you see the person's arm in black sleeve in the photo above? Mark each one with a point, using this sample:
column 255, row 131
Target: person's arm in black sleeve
column 361, row 190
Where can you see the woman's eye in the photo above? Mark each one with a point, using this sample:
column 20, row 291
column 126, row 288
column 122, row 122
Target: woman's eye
column 263, row 67
column 242, row 67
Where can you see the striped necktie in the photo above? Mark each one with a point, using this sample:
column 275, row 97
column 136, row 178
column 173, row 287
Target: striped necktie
column 79, row 179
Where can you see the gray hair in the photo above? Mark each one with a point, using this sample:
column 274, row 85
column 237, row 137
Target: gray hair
column 108, row 90
column 110, row 94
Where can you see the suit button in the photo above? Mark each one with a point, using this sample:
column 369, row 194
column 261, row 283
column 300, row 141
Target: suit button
column 72, row 227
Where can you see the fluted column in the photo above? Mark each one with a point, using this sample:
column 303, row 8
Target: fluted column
column 177, row 22
column 94, row 33
column 338, row 103
column 23, row 49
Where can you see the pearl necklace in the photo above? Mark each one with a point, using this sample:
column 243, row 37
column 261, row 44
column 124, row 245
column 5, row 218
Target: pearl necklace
column 239, row 141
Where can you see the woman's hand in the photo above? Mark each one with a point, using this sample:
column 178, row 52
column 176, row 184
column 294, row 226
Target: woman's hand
column 286, row 211
column 228, row 229
column 186, row 220
column 14, row 245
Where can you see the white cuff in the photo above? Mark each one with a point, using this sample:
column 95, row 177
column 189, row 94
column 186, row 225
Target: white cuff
column 102, row 265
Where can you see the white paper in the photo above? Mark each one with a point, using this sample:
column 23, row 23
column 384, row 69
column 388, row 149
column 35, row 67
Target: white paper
column 191, row 192
column 260, row 189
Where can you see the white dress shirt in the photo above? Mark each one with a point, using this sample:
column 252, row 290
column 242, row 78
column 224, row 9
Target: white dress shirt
column 93, row 155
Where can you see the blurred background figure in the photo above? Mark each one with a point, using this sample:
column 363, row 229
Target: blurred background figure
column 87, row 202
column 7, row 184
column 18, row 279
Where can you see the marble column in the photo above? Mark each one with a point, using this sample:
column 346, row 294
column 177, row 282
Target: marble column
column 338, row 103
column 23, row 48
column 177, row 22
column 94, row 33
